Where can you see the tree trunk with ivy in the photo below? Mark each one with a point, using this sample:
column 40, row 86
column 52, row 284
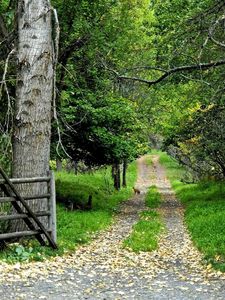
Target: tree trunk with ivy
column 32, row 128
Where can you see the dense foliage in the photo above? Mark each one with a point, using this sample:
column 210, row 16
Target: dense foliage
column 105, row 118
column 102, row 125
column 187, row 107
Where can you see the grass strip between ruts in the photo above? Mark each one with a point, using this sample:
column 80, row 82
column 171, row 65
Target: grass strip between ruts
column 145, row 233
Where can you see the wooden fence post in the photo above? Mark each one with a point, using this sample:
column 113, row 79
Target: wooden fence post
column 52, row 208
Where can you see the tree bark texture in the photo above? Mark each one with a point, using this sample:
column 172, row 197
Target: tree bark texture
column 31, row 139
column 116, row 176
column 124, row 183
column 58, row 164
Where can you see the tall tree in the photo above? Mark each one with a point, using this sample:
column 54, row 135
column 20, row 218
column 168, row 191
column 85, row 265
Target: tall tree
column 32, row 128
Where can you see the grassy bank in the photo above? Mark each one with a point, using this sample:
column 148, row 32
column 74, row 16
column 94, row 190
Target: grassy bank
column 77, row 227
column 144, row 236
column 204, row 204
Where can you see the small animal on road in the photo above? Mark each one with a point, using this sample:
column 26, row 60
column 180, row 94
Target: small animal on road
column 136, row 191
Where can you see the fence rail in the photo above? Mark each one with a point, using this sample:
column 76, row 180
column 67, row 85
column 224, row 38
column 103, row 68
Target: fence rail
column 24, row 212
column 27, row 180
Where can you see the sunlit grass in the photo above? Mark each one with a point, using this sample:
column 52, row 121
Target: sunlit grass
column 153, row 198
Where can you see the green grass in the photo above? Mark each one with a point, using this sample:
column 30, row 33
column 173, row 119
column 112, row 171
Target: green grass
column 154, row 151
column 145, row 233
column 204, row 204
column 77, row 227
column 175, row 172
column 153, row 198
column 99, row 184
column 148, row 160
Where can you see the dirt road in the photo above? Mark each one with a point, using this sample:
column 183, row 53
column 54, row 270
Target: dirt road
column 104, row 270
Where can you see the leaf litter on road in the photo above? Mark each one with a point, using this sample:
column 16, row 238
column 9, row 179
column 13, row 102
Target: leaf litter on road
column 104, row 267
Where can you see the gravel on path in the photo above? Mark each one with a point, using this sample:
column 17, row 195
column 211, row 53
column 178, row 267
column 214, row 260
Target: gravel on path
column 105, row 270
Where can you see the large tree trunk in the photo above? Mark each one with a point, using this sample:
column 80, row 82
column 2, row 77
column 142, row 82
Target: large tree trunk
column 31, row 139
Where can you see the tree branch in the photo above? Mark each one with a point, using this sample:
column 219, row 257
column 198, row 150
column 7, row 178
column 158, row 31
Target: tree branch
column 74, row 45
column 211, row 32
column 64, row 57
column 6, row 38
column 145, row 68
column 3, row 29
column 201, row 67
column 9, row 114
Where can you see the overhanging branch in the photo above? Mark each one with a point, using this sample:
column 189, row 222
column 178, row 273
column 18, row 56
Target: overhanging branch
column 212, row 30
column 201, row 67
